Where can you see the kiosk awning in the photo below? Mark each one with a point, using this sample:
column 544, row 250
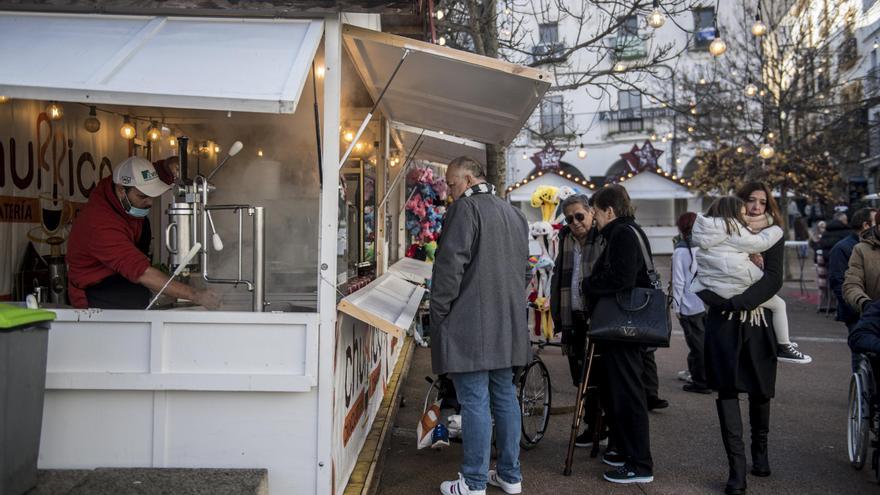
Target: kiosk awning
column 252, row 65
column 388, row 303
column 434, row 146
column 444, row 89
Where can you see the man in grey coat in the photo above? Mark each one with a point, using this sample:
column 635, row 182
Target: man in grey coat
column 478, row 322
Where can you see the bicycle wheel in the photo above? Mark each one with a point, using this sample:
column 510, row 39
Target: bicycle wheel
column 857, row 427
column 534, row 402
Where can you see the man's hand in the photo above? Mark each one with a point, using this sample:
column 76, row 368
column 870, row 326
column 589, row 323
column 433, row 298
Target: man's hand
column 758, row 260
column 206, row 298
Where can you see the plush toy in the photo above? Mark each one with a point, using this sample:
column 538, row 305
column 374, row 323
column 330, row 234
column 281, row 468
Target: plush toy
column 442, row 189
column 416, row 205
column 431, row 250
column 565, row 192
column 545, row 198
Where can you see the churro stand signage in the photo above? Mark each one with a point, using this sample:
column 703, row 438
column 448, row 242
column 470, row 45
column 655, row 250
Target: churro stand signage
column 47, row 170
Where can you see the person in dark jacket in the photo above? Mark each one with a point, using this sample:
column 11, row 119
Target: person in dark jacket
column 836, row 230
column 865, row 335
column 579, row 248
column 741, row 353
column 478, row 322
column 621, row 268
column 838, row 262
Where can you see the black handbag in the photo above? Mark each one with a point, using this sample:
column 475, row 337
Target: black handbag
column 638, row 316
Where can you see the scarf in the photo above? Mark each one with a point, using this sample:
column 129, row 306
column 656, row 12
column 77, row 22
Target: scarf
column 590, row 253
column 482, row 188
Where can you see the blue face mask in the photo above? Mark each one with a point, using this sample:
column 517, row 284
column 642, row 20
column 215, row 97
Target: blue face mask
column 133, row 211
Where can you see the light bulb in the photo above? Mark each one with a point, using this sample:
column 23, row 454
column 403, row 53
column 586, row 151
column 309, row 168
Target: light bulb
column 582, row 153
column 216, row 149
column 767, row 151
column 771, row 135
column 440, row 14
column 525, row 156
column 507, row 10
column 441, row 41
column 619, row 67
column 702, row 80
column 717, row 47
column 656, row 19
column 127, row 131
column 319, row 71
column 55, row 111
column 663, row 139
column 3, row 99
column 690, row 129
column 259, row 152
column 348, row 136
column 92, row 124
column 669, row 135
column 751, row 89
column 876, row 44
column 172, row 141
column 759, row 28
column 359, row 146
column 653, row 137
column 153, row 133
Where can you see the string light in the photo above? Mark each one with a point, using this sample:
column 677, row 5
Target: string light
column 153, row 133
column 751, row 89
column 127, row 131
column 582, row 152
column 92, row 124
column 718, row 46
column 440, row 14
column 216, row 149
column 525, row 156
column 619, row 67
column 441, row 41
column 259, row 152
column 759, row 28
column 55, row 111
column 348, row 136
column 767, row 151
column 172, row 141
column 656, row 19
column 4, row 99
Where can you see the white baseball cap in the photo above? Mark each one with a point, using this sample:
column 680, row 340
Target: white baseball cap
column 139, row 173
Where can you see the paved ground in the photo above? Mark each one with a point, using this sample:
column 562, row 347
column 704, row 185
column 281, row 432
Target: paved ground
column 807, row 441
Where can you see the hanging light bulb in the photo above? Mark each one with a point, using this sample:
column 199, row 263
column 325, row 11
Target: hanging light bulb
column 259, row 152
column 582, row 153
column 717, row 47
column 525, row 156
column 441, row 41
column 653, row 137
column 127, row 130
column 348, row 136
column 619, row 67
column 771, row 135
column 216, row 149
column 440, row 14
column 4, row 99
column 154, row 133
column 759, row 28
column 876, row 44
column 92, row 124
column 751, row 89
column 767, row 151
column 172, row 141
column 669, row 135
column 739, row 149
column 656, row 19
column 55, row 111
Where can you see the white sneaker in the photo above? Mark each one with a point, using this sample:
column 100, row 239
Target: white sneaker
column 509, row 488
column 685, row 376
column 458, row 487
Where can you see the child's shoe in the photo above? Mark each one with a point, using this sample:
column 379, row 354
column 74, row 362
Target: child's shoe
column 790, row 354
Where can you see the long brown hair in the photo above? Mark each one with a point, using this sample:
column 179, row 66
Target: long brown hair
column 729, row 208
column 772, row 207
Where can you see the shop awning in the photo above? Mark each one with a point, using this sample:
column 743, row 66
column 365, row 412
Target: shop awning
column 252, row 65
column 444, row 89
column 435, row 146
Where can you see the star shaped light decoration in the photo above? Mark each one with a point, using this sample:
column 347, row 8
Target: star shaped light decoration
column 639, row 159
column 547, row 158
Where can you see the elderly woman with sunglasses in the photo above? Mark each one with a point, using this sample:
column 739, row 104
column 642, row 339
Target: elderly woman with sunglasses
column 579, row 249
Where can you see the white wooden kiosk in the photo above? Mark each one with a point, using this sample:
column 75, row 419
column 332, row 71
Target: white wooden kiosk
column 293, row 392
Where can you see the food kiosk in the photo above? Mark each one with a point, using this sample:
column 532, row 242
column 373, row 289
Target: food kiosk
column 289, row 373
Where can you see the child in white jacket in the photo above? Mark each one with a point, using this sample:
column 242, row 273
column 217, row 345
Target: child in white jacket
column 725, row 268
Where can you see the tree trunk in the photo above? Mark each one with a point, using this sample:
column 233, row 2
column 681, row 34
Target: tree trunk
column 496, row 168
column 496, row 158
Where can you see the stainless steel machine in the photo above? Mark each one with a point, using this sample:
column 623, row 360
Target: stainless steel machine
column 189, row 218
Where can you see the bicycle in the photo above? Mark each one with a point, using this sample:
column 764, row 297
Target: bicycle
column 533, row 393
column 863, row 426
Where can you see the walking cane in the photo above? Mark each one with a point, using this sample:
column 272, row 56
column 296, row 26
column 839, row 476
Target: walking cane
column 579, row 407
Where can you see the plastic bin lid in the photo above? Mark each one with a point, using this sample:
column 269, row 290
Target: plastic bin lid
column 15, row 316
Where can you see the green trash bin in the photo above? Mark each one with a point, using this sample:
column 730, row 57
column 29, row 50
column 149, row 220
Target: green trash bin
column 24, row 336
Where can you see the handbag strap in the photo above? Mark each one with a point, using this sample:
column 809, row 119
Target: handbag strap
column 649, row 263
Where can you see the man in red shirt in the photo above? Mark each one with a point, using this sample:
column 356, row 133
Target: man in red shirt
column 107, row 260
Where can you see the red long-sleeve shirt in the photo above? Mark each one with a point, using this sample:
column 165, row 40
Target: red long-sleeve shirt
column 103, row 242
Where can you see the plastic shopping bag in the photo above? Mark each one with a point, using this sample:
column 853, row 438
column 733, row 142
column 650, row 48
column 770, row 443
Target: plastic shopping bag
column 431, row 432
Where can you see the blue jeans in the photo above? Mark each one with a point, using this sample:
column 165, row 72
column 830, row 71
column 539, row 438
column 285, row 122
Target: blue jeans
column 475, row 391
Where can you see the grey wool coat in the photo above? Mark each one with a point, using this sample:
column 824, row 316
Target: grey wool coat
column 478, row 289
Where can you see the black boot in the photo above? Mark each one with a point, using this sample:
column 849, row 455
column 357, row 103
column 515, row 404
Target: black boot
column 732, row 436
column 759, row 417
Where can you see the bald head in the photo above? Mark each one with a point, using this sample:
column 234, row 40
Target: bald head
column 463, row 173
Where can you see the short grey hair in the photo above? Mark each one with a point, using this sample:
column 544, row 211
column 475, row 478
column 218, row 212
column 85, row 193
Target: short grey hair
column 469, row 165
column 576, row 199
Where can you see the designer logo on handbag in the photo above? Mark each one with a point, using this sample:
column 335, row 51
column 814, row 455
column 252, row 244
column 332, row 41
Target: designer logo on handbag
column 629, row 331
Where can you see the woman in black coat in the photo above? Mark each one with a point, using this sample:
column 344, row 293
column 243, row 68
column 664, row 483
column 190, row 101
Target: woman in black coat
column 621, row 268
column 741, row 352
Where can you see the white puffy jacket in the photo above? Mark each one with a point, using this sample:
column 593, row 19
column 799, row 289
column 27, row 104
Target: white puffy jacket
column 723, row 264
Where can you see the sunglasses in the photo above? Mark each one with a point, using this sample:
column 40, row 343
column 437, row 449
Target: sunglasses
column 577, row 216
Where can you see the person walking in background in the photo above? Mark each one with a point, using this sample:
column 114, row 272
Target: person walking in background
column 579, row 249
column 861, row 283
column 621, row 268
column 741, row 352
column 478, row 319
column 838, row 262
column 688, row 308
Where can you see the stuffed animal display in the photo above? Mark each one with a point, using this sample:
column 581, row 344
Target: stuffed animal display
column 424, row 211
